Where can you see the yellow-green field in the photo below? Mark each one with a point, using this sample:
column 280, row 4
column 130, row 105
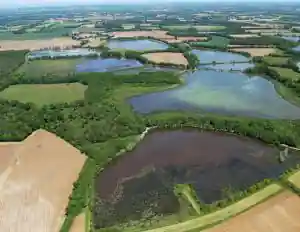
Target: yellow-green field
column 222, row 214
column 42, row 94
column 60, row 67
column 273, row 60
column 295, row 179
column 287, row 73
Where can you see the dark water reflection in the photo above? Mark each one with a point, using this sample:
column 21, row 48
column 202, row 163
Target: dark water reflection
column 209, row 161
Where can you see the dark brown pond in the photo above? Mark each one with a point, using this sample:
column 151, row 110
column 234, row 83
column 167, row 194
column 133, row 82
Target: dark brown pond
column 210, row 161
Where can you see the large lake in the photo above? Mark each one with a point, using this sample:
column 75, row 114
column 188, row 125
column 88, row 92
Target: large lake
column 138, row 45
column 207, row 56
column 143, row 179
column 220, row 92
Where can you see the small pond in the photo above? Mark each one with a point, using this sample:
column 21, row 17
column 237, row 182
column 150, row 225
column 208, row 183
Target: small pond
column 291, row 38
column 143, row 179
column 208, row 56
column 137, row 45
column 61, row 53
column 297, row 49
column 227, row 67
column 145, row 69
column 107, row 65
column 220, row 92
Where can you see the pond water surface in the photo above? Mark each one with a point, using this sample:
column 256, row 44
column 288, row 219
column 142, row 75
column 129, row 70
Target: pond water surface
column 228, row 67
column 291, row 38
column 62, row 53
column 106, row 65
column 208, row 56
column 220, row 92
column 297, row 49
column 137, row 45
column 143, row 179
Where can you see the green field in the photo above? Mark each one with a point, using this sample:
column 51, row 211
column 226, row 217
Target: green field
column 41, row 94
column 38, row 68
column 295, row 179
column 216, row 41
column 198, row 28
column 222, row 214
column 273, row 60
column 287, row 73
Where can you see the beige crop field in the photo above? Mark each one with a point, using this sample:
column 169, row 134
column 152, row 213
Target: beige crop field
column 64, row 42
column 78, row 224
column 278, row 214
column 37, row 182
column 244, row 35
column 156, row 34
column 167, row 57
column 256, row 51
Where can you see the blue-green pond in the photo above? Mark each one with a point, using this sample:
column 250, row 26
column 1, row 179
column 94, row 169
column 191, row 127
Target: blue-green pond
column 208, row 56
column 220, row 92
column 61, row 53
column 137, row 45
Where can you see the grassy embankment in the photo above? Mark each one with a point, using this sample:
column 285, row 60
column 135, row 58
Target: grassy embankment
column 41, row 94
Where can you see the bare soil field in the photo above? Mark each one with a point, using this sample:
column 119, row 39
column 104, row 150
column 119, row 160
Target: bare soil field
column 167, row 57
column 64, row 42
column 6, row 155
column 156, row 34
column 35, row 187
column 78, row 224
column 244, row 35
column 278, row 214
column 256, row 51
column 183, row 39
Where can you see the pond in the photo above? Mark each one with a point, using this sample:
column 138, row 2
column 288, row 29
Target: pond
column 143, row 179
column 137, row 45
column 107, row 65
column 297, row 49
column 227, row 67
column 61, row 53
column 220, row 92
column 208, row 56
column 145, row 69
column 291, row 38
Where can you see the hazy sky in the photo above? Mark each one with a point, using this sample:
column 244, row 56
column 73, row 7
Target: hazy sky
column 4, row 3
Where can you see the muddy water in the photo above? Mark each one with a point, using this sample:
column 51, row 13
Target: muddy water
column 209, row 161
